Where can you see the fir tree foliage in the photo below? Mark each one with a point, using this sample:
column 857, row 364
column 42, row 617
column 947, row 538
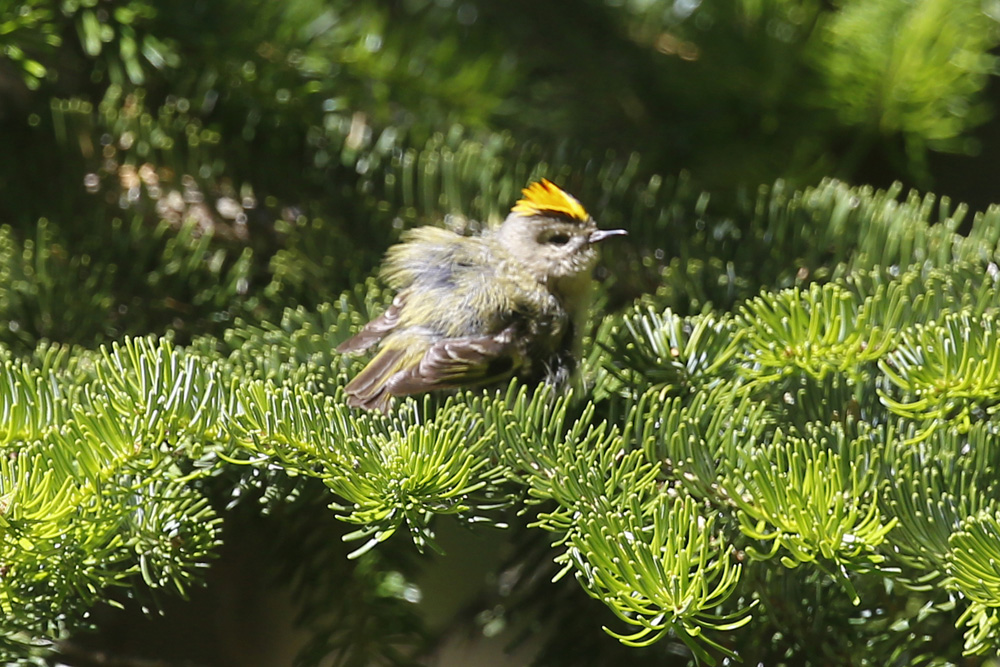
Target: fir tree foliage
column 705, row 457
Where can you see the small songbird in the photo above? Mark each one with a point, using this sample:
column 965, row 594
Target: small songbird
column 476, row 310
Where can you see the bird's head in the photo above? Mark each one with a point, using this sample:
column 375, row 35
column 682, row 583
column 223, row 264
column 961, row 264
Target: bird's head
column 551, row 234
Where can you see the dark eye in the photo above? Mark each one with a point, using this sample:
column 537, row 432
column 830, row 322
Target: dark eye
column 559, row 239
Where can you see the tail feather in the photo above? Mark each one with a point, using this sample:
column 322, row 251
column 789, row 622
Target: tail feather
column 380, row 401
column 370, row 388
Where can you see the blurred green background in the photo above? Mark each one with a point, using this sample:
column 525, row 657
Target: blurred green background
column 172, row 166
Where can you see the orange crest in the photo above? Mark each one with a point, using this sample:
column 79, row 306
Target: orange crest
column 547, row 198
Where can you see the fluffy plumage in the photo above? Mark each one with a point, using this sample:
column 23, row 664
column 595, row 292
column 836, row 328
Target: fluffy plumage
column 476, row 310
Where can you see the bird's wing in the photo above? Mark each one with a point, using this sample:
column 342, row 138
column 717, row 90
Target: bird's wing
column 426, row 264
column 405, row 367
column 375, row 330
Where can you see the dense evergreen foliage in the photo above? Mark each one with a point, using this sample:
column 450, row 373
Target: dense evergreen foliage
column 786, row 444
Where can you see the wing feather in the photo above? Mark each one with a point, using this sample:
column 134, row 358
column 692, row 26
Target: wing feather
column 452, row 323
column 375, row 330
column 444, row 364
column 458, row 362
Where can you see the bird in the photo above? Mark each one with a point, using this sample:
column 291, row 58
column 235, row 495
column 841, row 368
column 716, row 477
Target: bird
column 477, row 310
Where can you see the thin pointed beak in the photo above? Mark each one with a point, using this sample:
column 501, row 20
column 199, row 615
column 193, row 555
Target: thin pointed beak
column 601, row 234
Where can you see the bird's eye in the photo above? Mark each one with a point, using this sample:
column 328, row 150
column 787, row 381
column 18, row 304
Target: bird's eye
column 559, row 239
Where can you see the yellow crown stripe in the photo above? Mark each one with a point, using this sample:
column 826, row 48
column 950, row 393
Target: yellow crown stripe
column 547, row 198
